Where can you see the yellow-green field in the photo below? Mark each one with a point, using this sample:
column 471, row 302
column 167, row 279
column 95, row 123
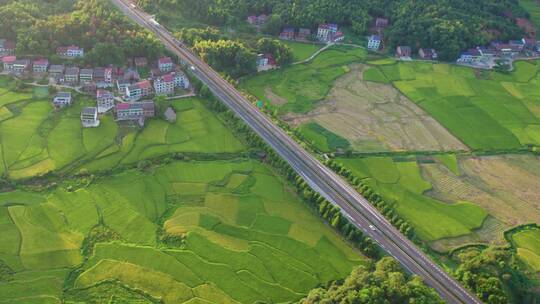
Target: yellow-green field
column 187, row 232
column 501, row 112
column 37, row 139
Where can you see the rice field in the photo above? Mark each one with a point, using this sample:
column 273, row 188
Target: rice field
column 302, row 50
column 400, row 182
column 498, row 113
column 527, row 243
column 37, row 139
column 187, row 232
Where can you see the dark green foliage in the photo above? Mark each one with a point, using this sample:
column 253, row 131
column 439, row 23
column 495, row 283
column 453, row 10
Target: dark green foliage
column 229, row 56
column 6, row 273
column 190, row 36
column 107, row 36
column 487, row 272
column 281, row 52
column 383, row 282
column 98, row 234
column 108, row 292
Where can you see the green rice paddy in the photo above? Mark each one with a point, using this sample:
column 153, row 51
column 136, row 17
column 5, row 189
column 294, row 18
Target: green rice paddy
column 527, row 243
column 501, row 112
column 322, row 139
column 212, row 231
column 303, row 85
column 400, row 182
column 302, row 50
column 37, row 139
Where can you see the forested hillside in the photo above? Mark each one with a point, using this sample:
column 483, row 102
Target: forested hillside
column 447, row 25
column 39, row 27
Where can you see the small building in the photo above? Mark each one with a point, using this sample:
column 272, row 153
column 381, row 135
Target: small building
column 470, row 56
column 138, row 90
column 165, row 64
column 105, row 100
column 62, row 99
column 304, row 34
column 108, row 76
column 170, row 115
column 262, row 60
column 71, row 51
column 40, row 65
column 140, row 62
column 6, row 47
column 56, row 71
column 7, row 62
column 181, row 80
column 326, row 32
column 252, row 20
column 21, row 66
column 99, row 75
column 122, row 84
column 374, row 43
column 381, row 23
column 164, row 85
column 89, row 87
column 135, row 111
column 266, row 62
column 288, row 33
column 403, row 52
column 261, row 19
column 89, row 117
column 72, row 75
column 86, row 75
column 517, row 45
column 427, row 54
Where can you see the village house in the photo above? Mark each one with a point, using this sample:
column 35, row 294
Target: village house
column 72, row 75
column 138, row 90
column 470, row 56
column 56, row 71
column 62, row 99
column 427, row 54
column 105, row 100
column 140, row 62
column 6, row 47
column 403, row 52
column 165, row 64
column 135, row 111
column 381, row 23
column 108, row 77
column 328, row 32
column 98, row 75
column 21, row 66
column 164, row 85
column 86, row 75
column 288, row 33
column 122, row 84
column 170, row 115
column 71, row 51
column 7, row 62
column 374, row 43
column 181, row 80
column 265, row 62
column 89, row 117
column 40, row 65
column 89, row 87
column 303, row 34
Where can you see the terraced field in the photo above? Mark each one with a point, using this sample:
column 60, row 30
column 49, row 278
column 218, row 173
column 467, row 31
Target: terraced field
column 501, row 112
column 527, row 243
column 186, row 232
column 37, row 139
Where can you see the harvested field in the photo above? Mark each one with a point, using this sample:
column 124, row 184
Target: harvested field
column 376, row 117
column 503, row 185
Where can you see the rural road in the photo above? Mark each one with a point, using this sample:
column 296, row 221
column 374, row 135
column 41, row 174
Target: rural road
column 359, row 211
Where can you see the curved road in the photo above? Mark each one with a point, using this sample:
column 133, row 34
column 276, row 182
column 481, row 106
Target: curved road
column 359, row 211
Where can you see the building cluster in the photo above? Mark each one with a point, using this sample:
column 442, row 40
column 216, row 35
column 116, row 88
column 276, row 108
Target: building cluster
column 484, row 56
column 72, row 51
column 375, row 40
column 291, row 33
column 257, row 20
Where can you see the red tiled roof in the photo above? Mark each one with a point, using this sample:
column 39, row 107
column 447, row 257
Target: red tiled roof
column 165, row 60
column 9, row 59
column 42, row 61
column 123, row 106
column 145, row 84
column 168, row 78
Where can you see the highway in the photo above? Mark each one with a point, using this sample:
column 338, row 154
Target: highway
column 323, row 180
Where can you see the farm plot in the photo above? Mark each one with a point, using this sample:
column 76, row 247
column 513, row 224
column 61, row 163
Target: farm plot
column 219, row 231
column 41, row 139
column 400, row 182
column 499, row 113
column 527, row 243
column 373, row 117
column 301, row 50
column 299, row 88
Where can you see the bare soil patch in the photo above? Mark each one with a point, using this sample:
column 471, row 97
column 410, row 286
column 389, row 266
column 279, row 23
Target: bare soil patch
column 377, row 117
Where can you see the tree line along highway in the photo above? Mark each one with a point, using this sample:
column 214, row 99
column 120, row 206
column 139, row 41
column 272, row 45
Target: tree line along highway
column 355, row 207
